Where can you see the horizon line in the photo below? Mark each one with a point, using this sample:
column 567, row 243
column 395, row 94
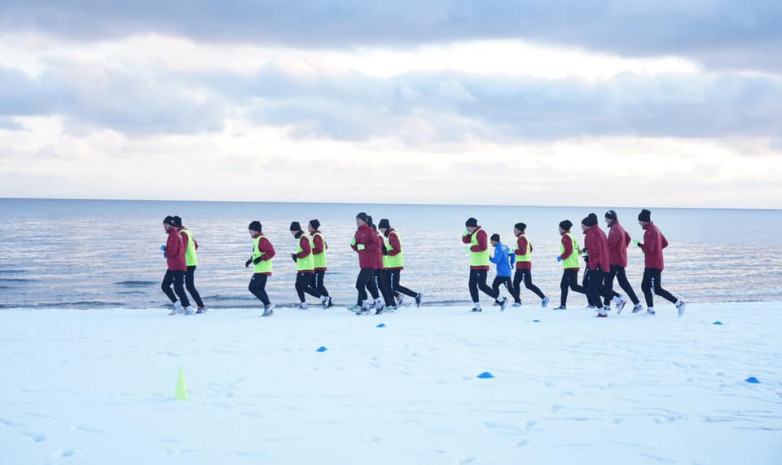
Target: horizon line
column 385, row 203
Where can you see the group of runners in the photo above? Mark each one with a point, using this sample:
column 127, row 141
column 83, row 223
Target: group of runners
column 605, row 257
column 381, row 261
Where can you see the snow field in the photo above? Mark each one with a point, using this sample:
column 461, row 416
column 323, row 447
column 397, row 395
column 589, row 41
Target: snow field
column 97, row 387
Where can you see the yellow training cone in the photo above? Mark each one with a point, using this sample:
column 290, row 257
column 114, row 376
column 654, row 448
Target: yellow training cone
column 181, row 388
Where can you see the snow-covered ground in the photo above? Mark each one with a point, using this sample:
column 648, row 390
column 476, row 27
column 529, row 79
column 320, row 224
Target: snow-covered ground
column 97, row 387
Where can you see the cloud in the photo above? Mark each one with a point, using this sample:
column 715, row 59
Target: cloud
column 127, row 100
column 722, row 34
column 417, row 109
column 457, row 107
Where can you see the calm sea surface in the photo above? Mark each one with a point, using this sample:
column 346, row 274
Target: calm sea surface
column 106, row 254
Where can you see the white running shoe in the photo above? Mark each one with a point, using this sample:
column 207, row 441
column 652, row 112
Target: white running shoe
column 177, row 308
column 638, row 308
column 189, row 310
column 201, row 310
column 418, row 298
column 620, row 305
column 516, row 305
column 400, row 300
column 649, row 312
column 544, row 302
column 681, row 306
column 268, row 310
column 303, row 306
column 503, row 302
column 326, row 302
column 561, row 307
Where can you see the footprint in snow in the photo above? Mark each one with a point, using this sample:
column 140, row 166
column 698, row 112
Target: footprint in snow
column 36, row 437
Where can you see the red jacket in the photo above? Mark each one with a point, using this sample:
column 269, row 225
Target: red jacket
column 618, row 240
column 653, row 245
column 304, row 243
column 318, row 246
column 482, row 245
column 568, row 245
column 367, row 258
column 175, row 251
column 596, row 244
column 379, row 261
column 264, row 245
column 393, row 241
column 521, row 244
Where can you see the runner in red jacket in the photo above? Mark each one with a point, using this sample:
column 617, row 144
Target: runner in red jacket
column 618, row 240
column 524, row 267
column 177, row 267
column 595, row 244
column 319, row 248
column 478, row 245
column 365, row 242
column 652, row 246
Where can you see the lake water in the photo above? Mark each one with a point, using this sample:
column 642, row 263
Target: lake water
column 106, row 254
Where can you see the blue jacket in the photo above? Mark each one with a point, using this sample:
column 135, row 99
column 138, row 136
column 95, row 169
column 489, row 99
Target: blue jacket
column 503, row 259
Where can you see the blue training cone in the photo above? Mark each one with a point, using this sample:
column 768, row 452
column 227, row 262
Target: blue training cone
column 752, row 380
column 321, row 349
column 381, row 325
column 486, row 375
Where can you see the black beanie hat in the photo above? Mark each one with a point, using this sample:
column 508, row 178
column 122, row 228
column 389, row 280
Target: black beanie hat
column 471, row 223
column 520, row 226
column 566, row 225
column 369, row 220
column 295, row 226
column 177, row 222
column 363, row 217
column 610, row 214
column 315, row 224
column 255, row 226
column 590, row 220
column 495, row 237
column 645, row 215
column 384, row 224
column 168, row 220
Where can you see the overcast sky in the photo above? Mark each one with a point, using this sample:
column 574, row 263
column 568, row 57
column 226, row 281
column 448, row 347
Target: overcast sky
column 526, row 102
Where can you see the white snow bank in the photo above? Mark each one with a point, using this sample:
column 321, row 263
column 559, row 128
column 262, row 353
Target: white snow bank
column 97, row 387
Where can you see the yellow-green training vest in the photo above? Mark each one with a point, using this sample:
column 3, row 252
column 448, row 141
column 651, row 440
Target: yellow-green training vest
column 526, row 257
column 264, row 266
column 190, row 253
column 572, row 260
column 306, row 263
column 319, row 260
column 393, row 261
column 478, row 258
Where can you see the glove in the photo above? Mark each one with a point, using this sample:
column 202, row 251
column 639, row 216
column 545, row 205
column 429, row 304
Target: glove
column 361, row 247
column 559, row 258
column 163, row 248
column 257, row 260
column 353, row 241
column 385, row 250
column 247, row 263
column 165, row 255
column 293, row 256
